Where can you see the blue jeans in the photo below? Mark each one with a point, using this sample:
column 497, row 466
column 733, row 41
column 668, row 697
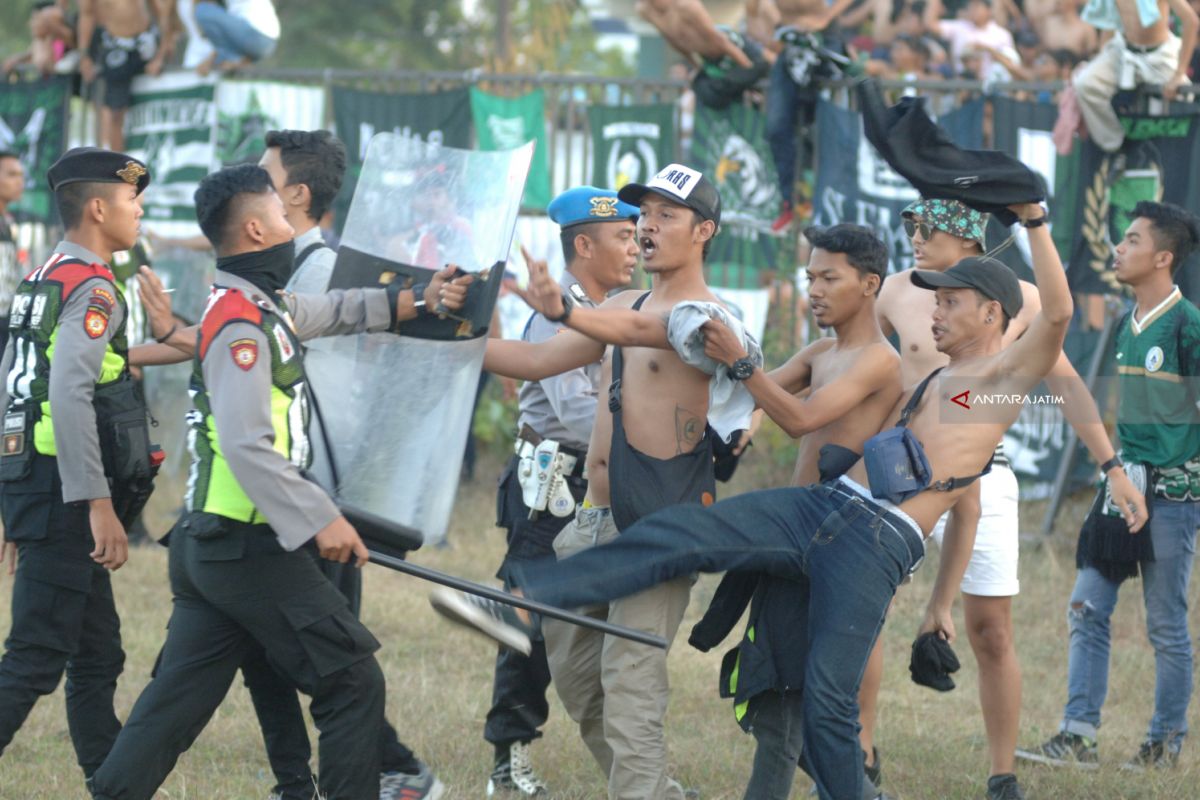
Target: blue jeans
column 1164, row 589
column 232, row 37
column 783, row 112
column 853, row 553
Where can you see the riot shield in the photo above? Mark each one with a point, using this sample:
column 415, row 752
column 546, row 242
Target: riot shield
column 393, row 412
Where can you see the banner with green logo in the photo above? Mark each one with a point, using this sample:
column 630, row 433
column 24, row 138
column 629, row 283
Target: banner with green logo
column 246, row 110
column 33, row 121
column 435, row 118
column 630, row 144
column 172, row 127
column 506, row 123
column 1098, row 196
column 729, row 146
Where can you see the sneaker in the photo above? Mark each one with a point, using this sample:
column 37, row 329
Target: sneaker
column 786, row 214
column 1065, row 750
column 1004, row 787
column 514, row 773
column 421, row 785
column 1152, row 755
column 496, row 620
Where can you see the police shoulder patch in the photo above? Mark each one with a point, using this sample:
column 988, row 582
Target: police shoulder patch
column 95, row 322
column 102, row 298
column 244, row 353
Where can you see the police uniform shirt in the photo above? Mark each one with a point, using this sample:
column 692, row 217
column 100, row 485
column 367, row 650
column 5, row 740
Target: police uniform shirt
column 562, row 407
column 312, row 275
column 237, row 377
column 1158, row 366
column 88, row 320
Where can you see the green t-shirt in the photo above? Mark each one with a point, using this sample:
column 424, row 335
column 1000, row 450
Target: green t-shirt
column 1158, row 366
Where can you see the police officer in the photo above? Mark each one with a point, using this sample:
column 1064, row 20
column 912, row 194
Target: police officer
column 599, row 244
column 66, row 343
column 307, row 168
column 239, row 575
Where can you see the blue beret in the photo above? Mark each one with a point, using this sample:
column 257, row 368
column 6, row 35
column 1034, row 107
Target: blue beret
column 589, row 204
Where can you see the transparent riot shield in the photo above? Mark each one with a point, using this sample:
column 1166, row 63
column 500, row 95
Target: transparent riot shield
column 395, row 410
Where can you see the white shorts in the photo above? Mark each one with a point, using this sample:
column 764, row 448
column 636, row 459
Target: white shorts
column 992, row 571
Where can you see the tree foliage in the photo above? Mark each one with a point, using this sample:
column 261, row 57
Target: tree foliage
column 544, row 36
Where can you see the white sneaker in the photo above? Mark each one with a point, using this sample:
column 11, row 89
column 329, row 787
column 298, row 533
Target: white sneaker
column 515, row 774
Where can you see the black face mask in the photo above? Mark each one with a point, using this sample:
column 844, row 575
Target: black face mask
column 269, row 270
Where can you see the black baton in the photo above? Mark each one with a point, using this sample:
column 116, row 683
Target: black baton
column 464, row 585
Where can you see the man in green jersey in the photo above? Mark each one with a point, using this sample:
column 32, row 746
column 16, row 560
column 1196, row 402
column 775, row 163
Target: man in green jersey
column 1158, row 367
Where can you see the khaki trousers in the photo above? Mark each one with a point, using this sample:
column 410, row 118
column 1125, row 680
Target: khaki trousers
column 614, row 689
column 1115, row 68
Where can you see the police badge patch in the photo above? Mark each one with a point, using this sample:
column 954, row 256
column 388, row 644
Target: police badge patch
column 245, row 353
column 603, row 207
column 95, row 322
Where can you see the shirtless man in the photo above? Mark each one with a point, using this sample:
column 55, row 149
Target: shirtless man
column 652, row 432
column 944, row 231
column 1142, row 50
column 687, row 26
column 852, row 548
column 1064, row 29
column 118, row 40
column 854, row 381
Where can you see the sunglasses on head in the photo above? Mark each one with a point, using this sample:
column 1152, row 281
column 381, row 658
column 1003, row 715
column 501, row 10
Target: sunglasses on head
column 912, row 228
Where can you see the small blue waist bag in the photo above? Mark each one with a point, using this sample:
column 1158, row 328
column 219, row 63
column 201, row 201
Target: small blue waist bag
column 897, row 467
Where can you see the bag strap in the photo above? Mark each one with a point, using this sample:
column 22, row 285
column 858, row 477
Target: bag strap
column 308, row 251
column 618, row 367
column 915, row 400
column 950, row 484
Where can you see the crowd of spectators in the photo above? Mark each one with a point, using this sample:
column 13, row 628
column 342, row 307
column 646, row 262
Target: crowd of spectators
column 1081, row 52
column 108, row 43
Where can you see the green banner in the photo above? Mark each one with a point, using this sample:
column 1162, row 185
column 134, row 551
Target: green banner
column 630, row 144
column 33, row 120
column 730, row 147
column 434, row 119
column 504, row 123
column 172, row 127
column 246, row 110
column 1097, row 196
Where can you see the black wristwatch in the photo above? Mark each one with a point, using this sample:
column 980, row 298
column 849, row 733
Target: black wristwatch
column 418, row 291
column 741, row 369
column 1037, row 222
column 568, row 305
column 1115, row 461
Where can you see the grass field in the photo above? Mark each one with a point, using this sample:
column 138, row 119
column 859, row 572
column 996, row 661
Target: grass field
column 439, row 682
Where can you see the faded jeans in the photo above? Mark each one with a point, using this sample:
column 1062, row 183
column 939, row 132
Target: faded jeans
column 853, row 552
column 232, row 37
column 1164, row 590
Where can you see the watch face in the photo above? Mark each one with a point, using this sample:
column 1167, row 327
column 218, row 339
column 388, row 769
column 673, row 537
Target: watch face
column 742, row 369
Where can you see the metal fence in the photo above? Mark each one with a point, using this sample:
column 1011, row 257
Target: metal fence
column 570, row 145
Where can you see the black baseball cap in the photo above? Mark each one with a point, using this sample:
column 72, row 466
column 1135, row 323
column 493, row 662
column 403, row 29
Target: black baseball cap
column 682, row 185
column 990, row 277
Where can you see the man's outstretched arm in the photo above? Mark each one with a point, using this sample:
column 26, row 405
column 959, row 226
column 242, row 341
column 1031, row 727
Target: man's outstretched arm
column 613, row 323
column 1080, row 410
column 529, row 361
column 1031, row 357
column 871, row 372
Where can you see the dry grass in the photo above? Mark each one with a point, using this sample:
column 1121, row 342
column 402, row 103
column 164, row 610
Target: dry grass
column 440, row 688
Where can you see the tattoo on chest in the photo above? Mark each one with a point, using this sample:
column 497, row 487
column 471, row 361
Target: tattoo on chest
column 688, row 430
